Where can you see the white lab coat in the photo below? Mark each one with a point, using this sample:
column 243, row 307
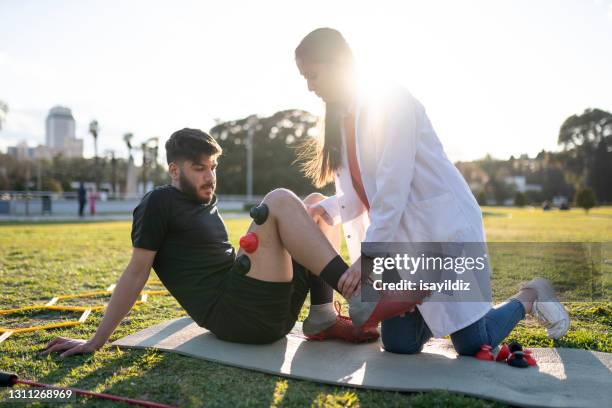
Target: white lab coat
column 415, row 193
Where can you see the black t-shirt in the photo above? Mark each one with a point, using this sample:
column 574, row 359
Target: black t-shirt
column 193, row 249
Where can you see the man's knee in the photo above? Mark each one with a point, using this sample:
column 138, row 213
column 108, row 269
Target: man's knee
column 281, row 196
column 314, row 198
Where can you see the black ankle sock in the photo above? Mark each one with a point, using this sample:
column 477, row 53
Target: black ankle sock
column 333, row 271
column 320, row 292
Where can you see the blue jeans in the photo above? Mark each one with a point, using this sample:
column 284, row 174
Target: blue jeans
column 408, row 334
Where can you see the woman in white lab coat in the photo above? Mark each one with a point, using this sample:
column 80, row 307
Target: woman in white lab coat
column 394, row 183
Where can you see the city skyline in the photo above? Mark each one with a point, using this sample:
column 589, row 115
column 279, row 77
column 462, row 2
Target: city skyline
column 60, row 138
column 496, row 79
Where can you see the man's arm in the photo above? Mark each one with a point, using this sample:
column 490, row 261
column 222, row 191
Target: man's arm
column 123, row 298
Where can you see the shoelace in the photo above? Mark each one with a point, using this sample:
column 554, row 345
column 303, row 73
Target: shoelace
column 338, row 308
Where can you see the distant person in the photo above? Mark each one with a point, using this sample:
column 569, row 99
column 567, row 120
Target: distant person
column 82, row 198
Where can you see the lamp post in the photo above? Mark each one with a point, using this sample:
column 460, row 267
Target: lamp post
column 251, row 121
column 3, row 112
column 149, row 155
column 131, row 180
column 27, row 186
column 111, row 154
column 94, row 128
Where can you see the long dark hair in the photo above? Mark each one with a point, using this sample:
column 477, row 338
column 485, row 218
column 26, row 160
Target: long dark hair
column 319, row 160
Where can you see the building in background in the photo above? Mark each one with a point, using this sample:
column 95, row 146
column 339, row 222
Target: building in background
column 22, row 151
column 60, row 133
column 520, row 184
column 60, row 138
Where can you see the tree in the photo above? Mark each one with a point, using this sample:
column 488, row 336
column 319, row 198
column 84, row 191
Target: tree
column 481, row 198
column 110, row 154
column 581, row 137
column 275, row 139
column 585, row 198
column 519, row 199
column 589, row 128
column 149, row 149
column 499, row 190
column 3, row 112
column 66, row 171
column 51, row 184
column 533, row 197
column 600, row 176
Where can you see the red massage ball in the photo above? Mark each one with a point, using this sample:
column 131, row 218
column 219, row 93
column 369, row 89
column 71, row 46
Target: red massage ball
column 503, row 354
column 249, row 242
column 485, row 353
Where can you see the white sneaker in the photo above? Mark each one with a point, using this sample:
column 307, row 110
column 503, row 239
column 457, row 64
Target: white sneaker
column 547, row 309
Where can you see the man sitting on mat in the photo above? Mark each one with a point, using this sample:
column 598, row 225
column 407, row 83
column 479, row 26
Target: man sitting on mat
column 178, row 231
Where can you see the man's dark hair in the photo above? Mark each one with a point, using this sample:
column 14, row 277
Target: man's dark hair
column 190, row 144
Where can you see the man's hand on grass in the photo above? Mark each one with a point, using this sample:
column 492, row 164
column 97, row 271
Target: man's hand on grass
column 71, row 346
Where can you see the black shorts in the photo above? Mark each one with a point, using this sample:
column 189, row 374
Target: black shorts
column 252, row 311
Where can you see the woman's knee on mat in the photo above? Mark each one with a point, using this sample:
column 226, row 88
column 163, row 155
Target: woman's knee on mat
column 468, row 340
column 400, row 345
column 406, row 334
column 468, row 348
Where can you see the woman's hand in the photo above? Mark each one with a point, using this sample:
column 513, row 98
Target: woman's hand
column 350, row 281
column 317, row 212
column 72, row 346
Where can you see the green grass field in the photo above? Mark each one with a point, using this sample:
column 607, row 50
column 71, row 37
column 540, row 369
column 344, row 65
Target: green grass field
column 39, row 261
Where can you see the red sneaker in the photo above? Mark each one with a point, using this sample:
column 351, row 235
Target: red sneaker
column 391, row 304
column 387, row 309
column 344, row 329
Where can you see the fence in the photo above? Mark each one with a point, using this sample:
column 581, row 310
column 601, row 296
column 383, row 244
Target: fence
column 48, row 202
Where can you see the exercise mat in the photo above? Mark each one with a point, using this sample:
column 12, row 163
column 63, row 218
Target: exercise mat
column 563, row 377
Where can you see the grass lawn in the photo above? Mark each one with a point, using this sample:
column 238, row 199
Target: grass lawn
column 39, row 261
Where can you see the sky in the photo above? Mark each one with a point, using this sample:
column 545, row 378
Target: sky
column 496, row 77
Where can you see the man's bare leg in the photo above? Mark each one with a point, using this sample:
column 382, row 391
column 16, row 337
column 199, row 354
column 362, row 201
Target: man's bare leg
column 332, row 233
column 289, row 232
column 321, row 313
